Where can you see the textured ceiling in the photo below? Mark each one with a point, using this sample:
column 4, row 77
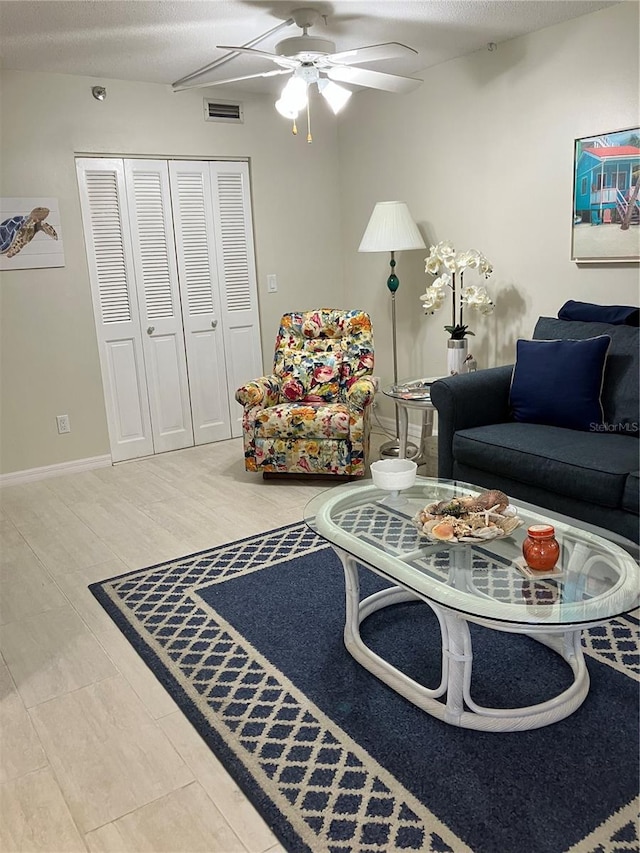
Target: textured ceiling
column 161, row 41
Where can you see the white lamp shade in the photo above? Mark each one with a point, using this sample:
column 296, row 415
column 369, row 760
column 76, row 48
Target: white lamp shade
column 336, row 96
column 294, row 94
column 285, row 110
column 391, row 229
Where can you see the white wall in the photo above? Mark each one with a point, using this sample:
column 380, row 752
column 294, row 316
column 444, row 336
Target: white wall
column 482, row 153
column 49, row 352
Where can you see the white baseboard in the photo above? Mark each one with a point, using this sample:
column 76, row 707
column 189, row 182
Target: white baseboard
column 73, row 467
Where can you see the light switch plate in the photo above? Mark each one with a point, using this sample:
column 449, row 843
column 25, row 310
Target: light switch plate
column 272, row 283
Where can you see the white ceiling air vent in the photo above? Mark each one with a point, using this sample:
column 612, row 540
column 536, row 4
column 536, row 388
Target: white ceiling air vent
column 222, row 111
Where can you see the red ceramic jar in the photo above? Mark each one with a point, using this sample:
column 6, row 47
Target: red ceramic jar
column 540, row 548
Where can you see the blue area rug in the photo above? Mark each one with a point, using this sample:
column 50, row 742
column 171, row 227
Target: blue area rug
column 247, row 638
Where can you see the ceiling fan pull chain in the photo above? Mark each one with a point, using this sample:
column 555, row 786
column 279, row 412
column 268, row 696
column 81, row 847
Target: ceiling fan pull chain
column 309, row 137
column 294, row 129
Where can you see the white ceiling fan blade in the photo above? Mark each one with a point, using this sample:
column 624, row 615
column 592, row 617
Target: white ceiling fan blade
column 222, row 60
column 371, row 53
column 284, row 61
column 273, row 73
column 373, row 79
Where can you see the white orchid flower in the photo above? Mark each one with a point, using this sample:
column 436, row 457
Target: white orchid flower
column 470, row 294
column 470, row 259
column 442, row 256
column 445, row 250
column 478, row 298
column 432, row 299
column 432, row 264
column 442, row 281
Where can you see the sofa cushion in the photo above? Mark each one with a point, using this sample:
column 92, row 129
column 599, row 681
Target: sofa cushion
column 631, row 494
column 588, row 466
column 311, row 377
column 621, row 387
column 559, row 382
column 617, row 315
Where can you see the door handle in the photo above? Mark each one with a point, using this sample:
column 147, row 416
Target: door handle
column 151, row 330
column 214, row 324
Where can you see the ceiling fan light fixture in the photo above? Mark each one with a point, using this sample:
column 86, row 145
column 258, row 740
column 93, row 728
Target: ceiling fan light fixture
column 286, row 110
column 336, row 96
column 313, row 60
column 294, row 94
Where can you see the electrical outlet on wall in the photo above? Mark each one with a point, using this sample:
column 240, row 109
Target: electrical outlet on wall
column 63, row 423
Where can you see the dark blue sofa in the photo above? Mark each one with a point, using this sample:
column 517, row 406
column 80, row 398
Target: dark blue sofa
column 592, row 476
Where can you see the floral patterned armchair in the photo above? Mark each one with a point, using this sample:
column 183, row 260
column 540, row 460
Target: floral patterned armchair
column 311, row 416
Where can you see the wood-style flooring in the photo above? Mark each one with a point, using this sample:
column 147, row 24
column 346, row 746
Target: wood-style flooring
column 94, row 754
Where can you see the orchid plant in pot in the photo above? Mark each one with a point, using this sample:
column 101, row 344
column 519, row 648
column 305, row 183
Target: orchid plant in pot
column 449, row 267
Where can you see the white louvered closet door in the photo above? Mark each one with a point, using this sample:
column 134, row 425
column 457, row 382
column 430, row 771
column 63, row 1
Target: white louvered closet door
column 109, row 254
column 236, row 270
column 172, row 267
column 154, row 254
column 193, row 218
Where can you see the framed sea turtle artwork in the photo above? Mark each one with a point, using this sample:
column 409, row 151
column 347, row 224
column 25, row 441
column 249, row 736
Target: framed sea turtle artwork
column 30, row 234
column 606, row 198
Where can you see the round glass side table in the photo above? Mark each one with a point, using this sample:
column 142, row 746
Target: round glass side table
column 413, row 394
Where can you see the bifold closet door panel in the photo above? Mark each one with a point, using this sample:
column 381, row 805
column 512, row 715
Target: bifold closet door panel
column 103, row 200
column 193, row 217
column 237, row 275
column 154, row 256
column 172, row 267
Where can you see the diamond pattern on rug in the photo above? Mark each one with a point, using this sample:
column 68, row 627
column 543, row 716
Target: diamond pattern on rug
column 619, row 834
column 217, row 564
column 376, row 522
column 310, row 768
column 335, row 795
column 616, row 644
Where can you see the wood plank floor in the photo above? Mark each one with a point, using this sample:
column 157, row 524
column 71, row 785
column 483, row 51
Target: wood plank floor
column 94, row 755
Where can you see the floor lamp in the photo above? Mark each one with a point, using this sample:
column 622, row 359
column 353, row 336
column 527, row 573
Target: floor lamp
column 392, row 229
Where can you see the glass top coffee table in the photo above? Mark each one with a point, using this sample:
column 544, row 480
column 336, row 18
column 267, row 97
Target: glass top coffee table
column 483, row 583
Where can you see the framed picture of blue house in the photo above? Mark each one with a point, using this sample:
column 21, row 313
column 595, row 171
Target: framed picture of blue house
column 606, row 198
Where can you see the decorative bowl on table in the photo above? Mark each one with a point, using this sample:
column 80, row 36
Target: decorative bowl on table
column 468, row 518
column 393, row 475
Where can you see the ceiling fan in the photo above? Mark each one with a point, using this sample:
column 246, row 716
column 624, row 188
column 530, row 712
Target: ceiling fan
column 311, row 60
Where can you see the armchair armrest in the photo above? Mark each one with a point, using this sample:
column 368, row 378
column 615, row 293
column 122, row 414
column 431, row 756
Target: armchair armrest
column 263, row 392
column 360, row 393
column 468, row 400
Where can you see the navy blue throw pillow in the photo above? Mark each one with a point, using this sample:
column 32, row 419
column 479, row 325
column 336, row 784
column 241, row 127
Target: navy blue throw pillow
column 615, row 315
column 559, row 382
